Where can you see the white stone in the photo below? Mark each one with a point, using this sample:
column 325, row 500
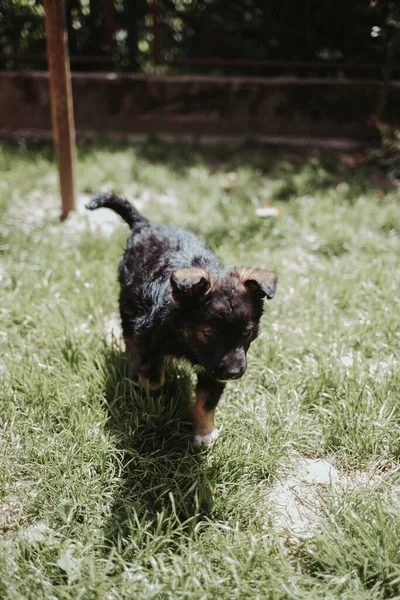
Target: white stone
column 318, row 471
column 36, row 533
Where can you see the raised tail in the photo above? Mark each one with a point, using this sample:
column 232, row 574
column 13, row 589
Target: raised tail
column 121, row 206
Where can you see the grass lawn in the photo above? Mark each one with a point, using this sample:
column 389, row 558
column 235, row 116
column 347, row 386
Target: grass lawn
column 102, row 494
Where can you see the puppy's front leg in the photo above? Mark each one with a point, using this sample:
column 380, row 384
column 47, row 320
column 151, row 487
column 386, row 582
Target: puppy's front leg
column 208, row 393
column 150, row 372
column 132, row 353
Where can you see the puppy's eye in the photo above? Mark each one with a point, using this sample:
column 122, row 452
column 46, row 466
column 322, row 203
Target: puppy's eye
column 206, row 335
column 249, row 332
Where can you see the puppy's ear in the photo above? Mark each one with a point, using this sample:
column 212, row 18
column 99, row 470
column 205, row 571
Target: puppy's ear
column 189, row 283
column 259, row 282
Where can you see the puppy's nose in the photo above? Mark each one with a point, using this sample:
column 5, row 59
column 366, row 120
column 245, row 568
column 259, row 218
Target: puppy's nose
column 234, row 372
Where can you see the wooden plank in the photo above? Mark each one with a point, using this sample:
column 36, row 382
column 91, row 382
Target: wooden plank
column 61, row 101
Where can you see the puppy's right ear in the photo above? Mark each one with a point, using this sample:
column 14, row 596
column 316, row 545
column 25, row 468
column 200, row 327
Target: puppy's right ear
column 258, row 281
column 189, row 284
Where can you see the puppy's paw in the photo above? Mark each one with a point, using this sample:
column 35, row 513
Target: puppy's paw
column 206, row 440
column 152, row 386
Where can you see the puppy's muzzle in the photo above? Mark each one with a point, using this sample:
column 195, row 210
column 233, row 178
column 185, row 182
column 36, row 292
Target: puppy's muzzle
column 232, row 366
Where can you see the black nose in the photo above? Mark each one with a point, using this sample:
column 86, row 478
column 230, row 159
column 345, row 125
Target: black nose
column 236, row 372
column 231, row 373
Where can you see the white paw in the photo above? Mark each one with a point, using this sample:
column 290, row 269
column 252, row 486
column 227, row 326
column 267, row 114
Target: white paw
column 206, row 440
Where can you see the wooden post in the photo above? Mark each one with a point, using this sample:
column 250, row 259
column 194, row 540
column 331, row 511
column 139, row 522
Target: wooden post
column 61, row 101
column 156, row 50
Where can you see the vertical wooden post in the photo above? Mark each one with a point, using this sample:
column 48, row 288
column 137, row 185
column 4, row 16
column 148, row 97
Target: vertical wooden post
column 110, row 26
column 61, row 101
column 156, row 52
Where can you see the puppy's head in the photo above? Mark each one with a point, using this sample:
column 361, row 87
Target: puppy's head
column 220, row 317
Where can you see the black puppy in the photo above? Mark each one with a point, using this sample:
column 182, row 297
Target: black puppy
column 177, row 299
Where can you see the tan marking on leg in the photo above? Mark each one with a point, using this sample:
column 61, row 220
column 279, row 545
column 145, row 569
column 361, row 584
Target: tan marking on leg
column 144, row 381
column 203, row 419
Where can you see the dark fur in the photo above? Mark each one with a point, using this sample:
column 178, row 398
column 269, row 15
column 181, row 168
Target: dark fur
column 177, row 299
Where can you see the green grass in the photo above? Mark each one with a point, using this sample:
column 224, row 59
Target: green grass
column 102, row 494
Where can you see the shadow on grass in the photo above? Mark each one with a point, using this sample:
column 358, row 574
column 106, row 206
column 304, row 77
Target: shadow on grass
column 162, row 480
column 324, row 167
column 296, row 170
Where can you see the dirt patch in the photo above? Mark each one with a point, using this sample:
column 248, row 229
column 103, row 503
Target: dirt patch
column 12, row 509
column 113, row 330
column 42, row 208
column 296, row 499
column 296, row 502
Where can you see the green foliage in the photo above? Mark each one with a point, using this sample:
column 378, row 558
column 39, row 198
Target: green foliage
column 387, row 155
column 22, row 29
column 304, row 31
column 331, row 32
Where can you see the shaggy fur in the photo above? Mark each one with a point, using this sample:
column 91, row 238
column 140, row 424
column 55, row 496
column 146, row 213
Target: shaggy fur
column 177, row 299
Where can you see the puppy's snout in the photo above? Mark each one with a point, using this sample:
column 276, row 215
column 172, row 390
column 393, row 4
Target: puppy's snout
column 235, row 372
column 232, row 366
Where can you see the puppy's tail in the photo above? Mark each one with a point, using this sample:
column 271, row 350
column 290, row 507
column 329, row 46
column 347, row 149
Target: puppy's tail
column 121, row 206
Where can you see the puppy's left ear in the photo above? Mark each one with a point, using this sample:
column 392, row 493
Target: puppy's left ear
column 259, row 282
column 189, row 284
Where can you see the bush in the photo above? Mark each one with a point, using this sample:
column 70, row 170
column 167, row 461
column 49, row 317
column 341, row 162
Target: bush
column 331, row 32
